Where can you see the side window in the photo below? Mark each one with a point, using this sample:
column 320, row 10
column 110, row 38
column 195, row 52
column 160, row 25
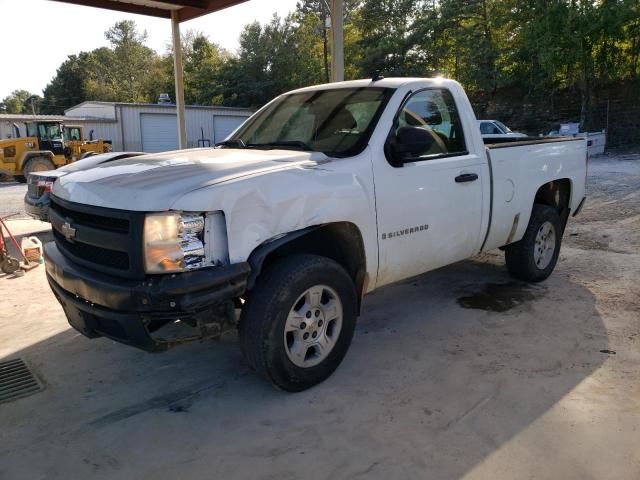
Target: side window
column 73, row 133
column 492, row 128
column 487, row 128
column 435, row 111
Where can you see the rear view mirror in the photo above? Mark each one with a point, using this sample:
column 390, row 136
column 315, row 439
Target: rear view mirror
column 411, row 142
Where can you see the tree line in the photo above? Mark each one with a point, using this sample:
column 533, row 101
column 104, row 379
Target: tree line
column 535, row 47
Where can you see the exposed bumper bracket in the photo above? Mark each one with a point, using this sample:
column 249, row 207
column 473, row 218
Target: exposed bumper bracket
column 130, row 311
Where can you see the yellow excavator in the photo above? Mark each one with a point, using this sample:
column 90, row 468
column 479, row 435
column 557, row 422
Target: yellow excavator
column 48, row 145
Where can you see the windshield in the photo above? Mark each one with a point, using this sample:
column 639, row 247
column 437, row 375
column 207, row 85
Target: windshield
column 337, row 122
column 504, row 128
column 49, row 131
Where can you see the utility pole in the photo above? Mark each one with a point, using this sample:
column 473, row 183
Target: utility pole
column 337, row 40
column 178, row 72
column 32, row 102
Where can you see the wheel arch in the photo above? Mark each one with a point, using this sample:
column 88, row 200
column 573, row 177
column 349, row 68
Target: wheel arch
column 340, row 241
column 556, row 194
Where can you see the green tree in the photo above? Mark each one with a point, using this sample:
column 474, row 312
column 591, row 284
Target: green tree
column 279, row 56
column 532, row 48
column 386, row 40
column 159, row 79
column 21, row 101
column 202, row 68
column 132, row 61
column 80, row 77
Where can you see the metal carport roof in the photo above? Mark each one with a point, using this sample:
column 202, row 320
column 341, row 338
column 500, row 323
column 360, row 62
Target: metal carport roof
column 184, row 9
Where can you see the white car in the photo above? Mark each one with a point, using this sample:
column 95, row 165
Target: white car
column 493, row 129
column 324, row 195
column 39, row 184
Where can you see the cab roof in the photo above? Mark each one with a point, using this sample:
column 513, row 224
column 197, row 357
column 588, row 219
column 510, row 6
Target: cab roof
column 392, row 82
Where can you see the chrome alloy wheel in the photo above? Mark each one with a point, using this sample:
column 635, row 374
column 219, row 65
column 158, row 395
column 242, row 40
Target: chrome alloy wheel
column 545, row 245
column 313, row 326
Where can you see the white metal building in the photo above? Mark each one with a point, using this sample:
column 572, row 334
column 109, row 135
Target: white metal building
column 139, row 127
column 153, row 127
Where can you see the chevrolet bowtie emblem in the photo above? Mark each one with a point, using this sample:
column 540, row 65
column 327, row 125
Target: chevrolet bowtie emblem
column 68, row 231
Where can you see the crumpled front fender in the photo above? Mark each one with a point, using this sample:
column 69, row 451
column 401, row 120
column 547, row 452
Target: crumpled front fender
column 259, row 208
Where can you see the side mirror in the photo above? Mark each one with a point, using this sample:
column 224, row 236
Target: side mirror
column 411, row 142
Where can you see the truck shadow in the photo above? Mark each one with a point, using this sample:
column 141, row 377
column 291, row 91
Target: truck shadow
column 443, row 371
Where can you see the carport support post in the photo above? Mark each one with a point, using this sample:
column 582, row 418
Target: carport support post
column 337, row 41
column 179, row 81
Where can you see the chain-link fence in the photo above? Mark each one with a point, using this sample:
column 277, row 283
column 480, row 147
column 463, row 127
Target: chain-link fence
column 614, row 109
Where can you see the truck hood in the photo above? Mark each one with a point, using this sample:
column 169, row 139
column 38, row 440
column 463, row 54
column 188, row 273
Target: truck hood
column 156, row 182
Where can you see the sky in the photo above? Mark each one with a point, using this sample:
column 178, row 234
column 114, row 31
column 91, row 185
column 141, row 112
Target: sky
column 36, row 36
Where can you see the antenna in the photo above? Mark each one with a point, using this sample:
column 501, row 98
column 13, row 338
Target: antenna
column 376, row 77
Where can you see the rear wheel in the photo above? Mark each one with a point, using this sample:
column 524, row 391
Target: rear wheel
column 38, row 164
column 533, row 258
column 297, row 323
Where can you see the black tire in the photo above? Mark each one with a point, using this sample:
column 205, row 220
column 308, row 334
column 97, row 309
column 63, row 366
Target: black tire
column 262, row 323
column 520, row 256
column 20, row 178
column 37, row 164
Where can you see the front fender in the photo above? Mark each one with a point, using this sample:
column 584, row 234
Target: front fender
column 261, row 207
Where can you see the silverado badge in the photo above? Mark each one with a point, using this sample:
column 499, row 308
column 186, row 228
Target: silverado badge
column 406, row 231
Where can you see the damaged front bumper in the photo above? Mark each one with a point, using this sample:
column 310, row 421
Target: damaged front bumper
column 129, row 311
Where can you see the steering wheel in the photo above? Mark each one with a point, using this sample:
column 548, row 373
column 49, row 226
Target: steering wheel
column 420, row 122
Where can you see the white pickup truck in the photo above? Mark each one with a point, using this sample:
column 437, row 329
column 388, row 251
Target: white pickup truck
column 322, row 196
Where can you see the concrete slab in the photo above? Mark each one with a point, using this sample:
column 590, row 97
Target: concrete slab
column 459, row 373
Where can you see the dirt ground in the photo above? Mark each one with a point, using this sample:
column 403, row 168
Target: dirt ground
column 459, row 373
column 12, row 200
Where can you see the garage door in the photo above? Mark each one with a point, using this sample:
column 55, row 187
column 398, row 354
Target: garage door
column 224, row 125
column 159, row 132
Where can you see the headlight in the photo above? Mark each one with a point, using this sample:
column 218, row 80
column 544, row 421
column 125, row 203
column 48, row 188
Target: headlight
column 173, row 242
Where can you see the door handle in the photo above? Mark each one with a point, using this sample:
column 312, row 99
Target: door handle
column 466, row 177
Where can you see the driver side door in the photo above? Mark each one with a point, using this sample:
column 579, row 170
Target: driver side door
column 429, row 206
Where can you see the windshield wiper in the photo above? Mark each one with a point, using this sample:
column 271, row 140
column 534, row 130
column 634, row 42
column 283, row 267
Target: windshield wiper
column 283, row 143
column 235, row 142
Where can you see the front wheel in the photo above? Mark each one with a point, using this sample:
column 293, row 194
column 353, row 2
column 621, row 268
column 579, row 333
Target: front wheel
column 533, row 258
column 298, row 322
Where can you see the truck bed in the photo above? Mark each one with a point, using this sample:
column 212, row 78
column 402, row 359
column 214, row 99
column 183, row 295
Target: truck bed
column 517, row 169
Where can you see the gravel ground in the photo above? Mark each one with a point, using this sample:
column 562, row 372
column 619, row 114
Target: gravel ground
column 12, row 200
column 459, row 373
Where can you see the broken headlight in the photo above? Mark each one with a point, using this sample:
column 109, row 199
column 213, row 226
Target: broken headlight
column 173, row 242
